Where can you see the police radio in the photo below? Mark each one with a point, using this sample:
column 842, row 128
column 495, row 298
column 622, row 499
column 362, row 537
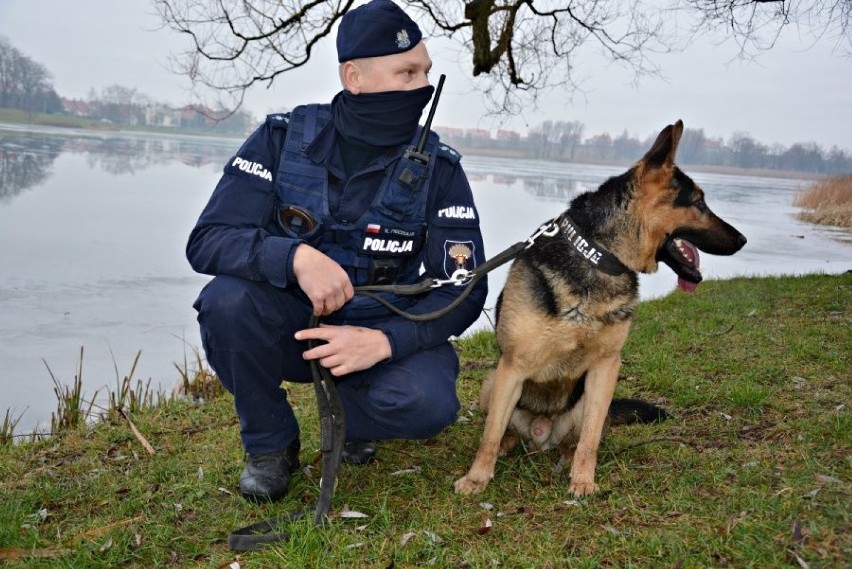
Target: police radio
column 418, row 154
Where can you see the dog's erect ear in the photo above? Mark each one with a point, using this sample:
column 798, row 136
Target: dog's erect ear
column 662, row 153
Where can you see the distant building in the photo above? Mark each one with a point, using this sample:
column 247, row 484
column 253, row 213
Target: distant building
column 477, row 134
column 450, row 132
column 162, row 116
column 508, row 135
column 76, row 107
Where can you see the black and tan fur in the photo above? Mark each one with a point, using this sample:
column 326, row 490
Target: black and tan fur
column 561, row 321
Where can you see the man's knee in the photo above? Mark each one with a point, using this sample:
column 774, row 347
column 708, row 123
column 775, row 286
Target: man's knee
column 224, row 300
column 421, row 400
column 437, row 414
column 235, row 312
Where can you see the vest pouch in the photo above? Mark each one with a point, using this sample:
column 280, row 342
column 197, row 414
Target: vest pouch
column 383, row 271
column 409, row 176
column 299, row 223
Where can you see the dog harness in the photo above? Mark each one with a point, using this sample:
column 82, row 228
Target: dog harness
column 588, row 248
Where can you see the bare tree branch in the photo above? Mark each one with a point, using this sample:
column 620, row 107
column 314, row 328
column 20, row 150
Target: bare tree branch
column 517, row 48
column 757, row 24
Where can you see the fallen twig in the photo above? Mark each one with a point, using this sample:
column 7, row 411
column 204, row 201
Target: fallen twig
column 658, row 440
column 138, row 434
column 103, row 529
column 27, row 552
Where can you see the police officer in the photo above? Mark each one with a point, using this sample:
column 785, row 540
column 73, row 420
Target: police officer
column 318, row 201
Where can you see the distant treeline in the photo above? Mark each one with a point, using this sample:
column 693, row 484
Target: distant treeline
column 564, row 141
column 26, row 85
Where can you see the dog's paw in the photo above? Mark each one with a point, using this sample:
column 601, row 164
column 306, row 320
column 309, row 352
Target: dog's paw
column 583, row 488
column 467, row 485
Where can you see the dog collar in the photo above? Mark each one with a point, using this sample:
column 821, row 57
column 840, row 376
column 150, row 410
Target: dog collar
column 589, row 249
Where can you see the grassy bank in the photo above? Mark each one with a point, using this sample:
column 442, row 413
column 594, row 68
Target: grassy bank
column 15, row 116
column 753, row 470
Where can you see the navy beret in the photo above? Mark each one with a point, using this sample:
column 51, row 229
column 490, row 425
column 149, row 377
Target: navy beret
column 377, row 28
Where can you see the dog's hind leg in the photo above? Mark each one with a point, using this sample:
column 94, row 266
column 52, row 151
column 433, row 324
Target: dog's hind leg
column 505, row 392
column 600, row 385
column 508, row 442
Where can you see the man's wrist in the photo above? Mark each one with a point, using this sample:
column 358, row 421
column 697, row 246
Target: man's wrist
column 290, row 268
column 387, row 346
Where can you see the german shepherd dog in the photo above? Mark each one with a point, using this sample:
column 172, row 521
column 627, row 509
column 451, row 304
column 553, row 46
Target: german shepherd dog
column 567, row 306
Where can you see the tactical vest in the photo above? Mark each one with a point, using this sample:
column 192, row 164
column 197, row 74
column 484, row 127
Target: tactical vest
column 382, row 246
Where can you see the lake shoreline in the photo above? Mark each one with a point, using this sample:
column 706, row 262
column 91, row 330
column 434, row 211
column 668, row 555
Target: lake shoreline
column 101, row 129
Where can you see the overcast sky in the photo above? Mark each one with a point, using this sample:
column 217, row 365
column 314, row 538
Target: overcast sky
column 797, row 92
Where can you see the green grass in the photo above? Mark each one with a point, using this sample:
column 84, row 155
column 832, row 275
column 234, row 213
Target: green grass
column 753, row 470
column 43, row 119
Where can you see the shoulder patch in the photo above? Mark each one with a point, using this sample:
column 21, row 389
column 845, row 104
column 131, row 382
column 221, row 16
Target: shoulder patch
column 458, row 212
column 449, row 153
column 248, row 165
column 278, row 120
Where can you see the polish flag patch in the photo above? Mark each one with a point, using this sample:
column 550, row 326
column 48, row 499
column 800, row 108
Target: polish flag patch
column 374, row 228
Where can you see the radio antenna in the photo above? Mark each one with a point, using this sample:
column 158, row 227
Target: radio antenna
column 417, row 153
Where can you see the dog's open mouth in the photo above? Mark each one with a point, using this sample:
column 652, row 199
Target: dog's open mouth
column 682, row 257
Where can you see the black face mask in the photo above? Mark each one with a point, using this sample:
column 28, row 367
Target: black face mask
column 380, row 119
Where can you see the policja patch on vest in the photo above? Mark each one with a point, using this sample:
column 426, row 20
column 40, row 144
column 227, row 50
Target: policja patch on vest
column 383, row 245
column 388, row 241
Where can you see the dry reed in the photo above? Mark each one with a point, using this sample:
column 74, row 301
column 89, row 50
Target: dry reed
column 828, row 202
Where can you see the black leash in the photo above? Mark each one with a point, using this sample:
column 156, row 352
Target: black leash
column 330, row 407
column 332, row 430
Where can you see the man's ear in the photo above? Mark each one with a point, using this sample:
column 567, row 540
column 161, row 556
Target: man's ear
column 350, row 76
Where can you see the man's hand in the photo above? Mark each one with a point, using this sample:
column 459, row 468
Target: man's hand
column 322, row 279
column 347, row 349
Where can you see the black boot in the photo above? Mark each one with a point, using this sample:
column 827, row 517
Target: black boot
column 266, row 477
column 359, row 452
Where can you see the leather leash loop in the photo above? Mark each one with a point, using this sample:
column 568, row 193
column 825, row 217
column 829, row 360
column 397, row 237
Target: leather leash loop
column 254, row 536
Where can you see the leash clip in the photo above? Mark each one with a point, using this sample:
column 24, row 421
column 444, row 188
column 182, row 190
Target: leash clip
column 547, row 229
column 458, row 278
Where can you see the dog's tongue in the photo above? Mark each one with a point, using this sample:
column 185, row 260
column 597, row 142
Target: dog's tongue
column 685, row 285
column 690, row 252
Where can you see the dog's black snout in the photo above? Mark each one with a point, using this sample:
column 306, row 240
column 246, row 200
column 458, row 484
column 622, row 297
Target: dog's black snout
column 741, row 241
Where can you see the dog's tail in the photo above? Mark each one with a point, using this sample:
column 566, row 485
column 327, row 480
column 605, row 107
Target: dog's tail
column 627, row 411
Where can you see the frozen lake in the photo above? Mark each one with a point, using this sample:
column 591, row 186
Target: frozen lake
column 93, row 228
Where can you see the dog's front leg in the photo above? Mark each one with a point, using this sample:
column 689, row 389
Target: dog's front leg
column 504, row 396
column 600, row 385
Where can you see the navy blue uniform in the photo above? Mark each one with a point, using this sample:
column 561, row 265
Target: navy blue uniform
column 253, row 306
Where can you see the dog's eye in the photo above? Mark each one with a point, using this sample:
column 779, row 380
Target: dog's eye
column 700, row 203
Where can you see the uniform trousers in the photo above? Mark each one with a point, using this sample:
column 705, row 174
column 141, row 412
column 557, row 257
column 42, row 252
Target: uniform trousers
column 247, row 331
